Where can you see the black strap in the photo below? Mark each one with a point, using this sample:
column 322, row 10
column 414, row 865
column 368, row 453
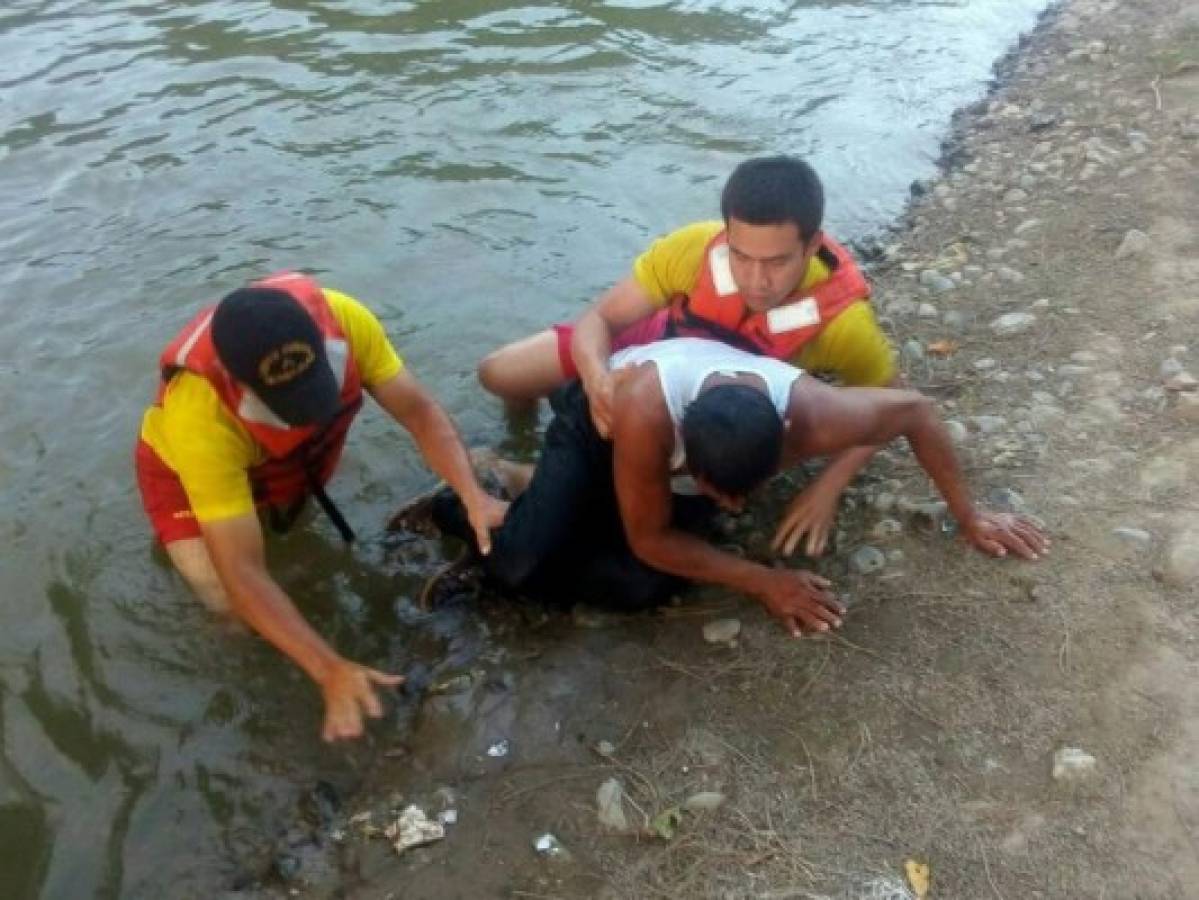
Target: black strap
column 331, row 510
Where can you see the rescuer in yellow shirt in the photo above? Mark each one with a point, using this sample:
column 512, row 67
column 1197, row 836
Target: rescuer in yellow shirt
column 254, row 404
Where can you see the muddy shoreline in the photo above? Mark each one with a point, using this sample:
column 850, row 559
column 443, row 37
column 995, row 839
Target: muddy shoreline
column 928, row 730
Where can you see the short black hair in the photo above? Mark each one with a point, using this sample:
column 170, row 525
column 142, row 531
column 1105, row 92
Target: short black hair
column 769, row 190
column 733, row 438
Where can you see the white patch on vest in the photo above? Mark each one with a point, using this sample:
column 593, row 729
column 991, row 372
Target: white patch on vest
column 722, row 272
column 339, row 358
column 252, row 409
column 181, row 356
column 793, row 316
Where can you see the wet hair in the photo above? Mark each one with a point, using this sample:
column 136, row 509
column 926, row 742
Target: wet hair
column 733, row 438
column 770, row 190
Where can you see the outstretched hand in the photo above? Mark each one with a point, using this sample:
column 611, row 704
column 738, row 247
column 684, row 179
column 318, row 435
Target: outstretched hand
column 349, row 691
column 801, row 601
column 998, row 534
column 812, row 512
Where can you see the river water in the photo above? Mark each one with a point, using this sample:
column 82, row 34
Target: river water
column 471, row 170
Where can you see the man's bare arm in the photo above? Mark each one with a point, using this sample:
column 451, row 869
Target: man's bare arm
column 622, row 305
column 825, row 420
column 408, row 402
column 237, row 553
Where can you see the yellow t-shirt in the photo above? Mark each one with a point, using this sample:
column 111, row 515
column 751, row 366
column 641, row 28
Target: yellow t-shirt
column 852, row 346
column 211, row 451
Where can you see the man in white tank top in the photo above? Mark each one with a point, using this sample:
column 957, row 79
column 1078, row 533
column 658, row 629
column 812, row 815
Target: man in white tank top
column 600, row 515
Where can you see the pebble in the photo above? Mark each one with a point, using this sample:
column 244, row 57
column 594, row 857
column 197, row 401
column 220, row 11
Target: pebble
column 1071, row 371
column 413, row 829
column 1027, row 225
column 936, row 282
column 1007, row 500
column 901, row 307
column 886, row 528
column 1013, row 323
column 1040, row 303
column 1084, row 357
column 704, row 801
column 550, row 847
column 609, row 801
column 913, row 351
column 1135, row 243
column 1187, row 409
column 985, row 364
column 1045, row 414
column 1170, row 367
column 1183, row 381
column 722, row 631
column 1182, row 562
column 1137, row 536
column 954, row 319
column 927, row 311
column 884, row 501
column 958, row 432
column 1015, row 195
column 1072, row 764
column 867, row 561
column 989, row 424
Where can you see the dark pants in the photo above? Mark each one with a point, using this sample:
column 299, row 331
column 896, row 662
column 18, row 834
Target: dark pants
column 563, row 540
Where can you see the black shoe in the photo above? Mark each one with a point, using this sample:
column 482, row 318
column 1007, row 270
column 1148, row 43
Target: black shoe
column 449, row 517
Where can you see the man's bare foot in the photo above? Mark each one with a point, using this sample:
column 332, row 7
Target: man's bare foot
column 513, row 476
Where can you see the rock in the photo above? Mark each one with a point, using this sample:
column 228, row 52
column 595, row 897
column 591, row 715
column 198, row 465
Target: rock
column 1182, row 561
column 413, row 829
column 1135, row 536
column 1183, row 381
column 1135, row 243
column 927, row 311
column 989, row 424
column 958, row 432
column 1072, row 764
column 609, row 800
column 1042, row 120
column 1008, row 274
column 867, row 561
column 1187, row 409
column 1040, row 303
column 1027, row 225
column 886, row 528
column 550, row 847
column 499, row 749
column 884, row 502
column 901, row 307
column 722, row 631
column 704, row 801
column 1084, row 357
column 1006, row 500
column 913, row 351
column 985, row 364
column 936, row 282
column 954, row 319
column 1015, row 195
column 1013, row 323
column 1044, row 415
column 1071, row 371
column 931, row 512
column 1170, row 367
column 605, row 748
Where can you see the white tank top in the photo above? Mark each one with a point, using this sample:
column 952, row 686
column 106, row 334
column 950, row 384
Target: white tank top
column 684, row 364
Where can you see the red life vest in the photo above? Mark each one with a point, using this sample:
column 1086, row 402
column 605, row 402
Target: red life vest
column 714, row 308
column 300, row 458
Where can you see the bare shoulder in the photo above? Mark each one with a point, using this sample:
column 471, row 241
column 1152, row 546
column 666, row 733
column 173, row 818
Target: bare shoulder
column 638, row 406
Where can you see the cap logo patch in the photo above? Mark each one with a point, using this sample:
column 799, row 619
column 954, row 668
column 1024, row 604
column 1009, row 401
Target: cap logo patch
column 287, row 363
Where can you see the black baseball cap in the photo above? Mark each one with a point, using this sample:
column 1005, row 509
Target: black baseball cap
column 270, row 344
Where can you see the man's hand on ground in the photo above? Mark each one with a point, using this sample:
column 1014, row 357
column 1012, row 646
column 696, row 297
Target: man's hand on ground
column 801, row 601
column 349, row 691
column 484, row 514
column 997, row 534
column 599, row 392
column 812, row 512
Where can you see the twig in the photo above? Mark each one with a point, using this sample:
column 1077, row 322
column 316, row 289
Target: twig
column 1157, row 91
column 987, row 869
column 917, row 711
column 851, row 645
